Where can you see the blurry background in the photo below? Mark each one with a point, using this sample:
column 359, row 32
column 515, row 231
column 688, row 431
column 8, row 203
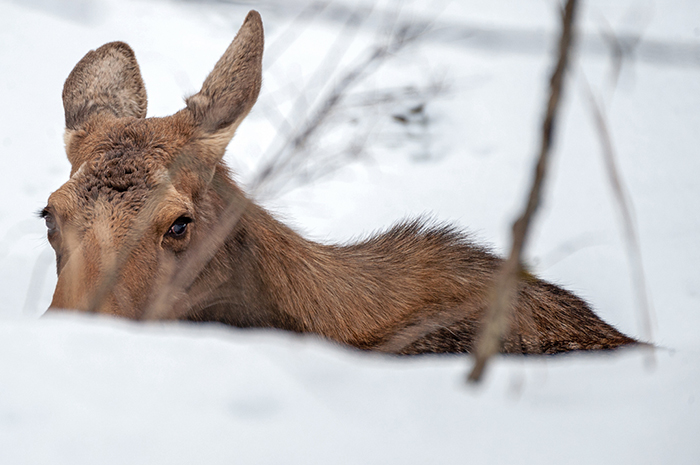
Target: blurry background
column 371, row 112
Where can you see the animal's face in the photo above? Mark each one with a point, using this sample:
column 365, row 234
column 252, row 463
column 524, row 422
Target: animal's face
column 126, row 202
column 141, row 190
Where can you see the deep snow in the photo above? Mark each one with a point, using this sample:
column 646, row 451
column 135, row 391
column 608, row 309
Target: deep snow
column 94, row 390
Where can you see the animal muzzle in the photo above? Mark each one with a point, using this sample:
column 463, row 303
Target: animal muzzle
column 84, row 286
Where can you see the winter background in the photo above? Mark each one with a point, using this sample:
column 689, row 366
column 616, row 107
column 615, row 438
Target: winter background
column 448, row 127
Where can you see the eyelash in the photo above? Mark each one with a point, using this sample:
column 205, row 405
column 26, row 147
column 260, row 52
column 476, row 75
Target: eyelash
column 49, row 220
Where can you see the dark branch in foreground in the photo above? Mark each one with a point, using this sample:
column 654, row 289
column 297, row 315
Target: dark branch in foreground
column 505, row 288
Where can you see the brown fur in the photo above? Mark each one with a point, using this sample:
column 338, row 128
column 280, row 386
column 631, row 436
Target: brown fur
column 416, row 288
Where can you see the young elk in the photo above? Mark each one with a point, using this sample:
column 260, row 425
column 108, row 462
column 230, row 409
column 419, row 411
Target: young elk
column 151, row 226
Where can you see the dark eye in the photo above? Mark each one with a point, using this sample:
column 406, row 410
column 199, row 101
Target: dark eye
column 179, row 227
column 49, row 220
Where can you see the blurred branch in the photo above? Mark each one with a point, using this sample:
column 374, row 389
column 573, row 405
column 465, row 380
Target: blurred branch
column 496, row 39
column 284, row 40
column 619, row 50
column 634, row 250
column 176, row 281
column 36, row 282
column 505, row 288
column 281, row 161
column 115, row 262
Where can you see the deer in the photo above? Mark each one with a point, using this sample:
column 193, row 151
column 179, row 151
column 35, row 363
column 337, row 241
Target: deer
column 151, row 226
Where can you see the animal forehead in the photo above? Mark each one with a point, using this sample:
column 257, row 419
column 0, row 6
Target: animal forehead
column 120, row 169
column 93, row 193
column 120, row 178
column 122, row 163
column 152, row 140
column 86, row 203
column 126, row 155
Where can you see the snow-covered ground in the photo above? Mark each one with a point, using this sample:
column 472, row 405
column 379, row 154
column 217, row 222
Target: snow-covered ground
column 85, row 390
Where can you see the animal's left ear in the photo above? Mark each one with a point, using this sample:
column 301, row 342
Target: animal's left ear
column 107, row 81
column 231, row 89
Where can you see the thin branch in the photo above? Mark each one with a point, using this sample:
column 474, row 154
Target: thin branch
column 36, row 281
column 505, row 288
column 178, row 281
column 286, row 38
column 620, row 50
column 634, row 250
column 175, row 281
column 114, row 263
column 281, row 160
column 328, row 66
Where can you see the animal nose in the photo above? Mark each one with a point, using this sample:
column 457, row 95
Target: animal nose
column 68, row 296
column 87, row 302
column 76, row 288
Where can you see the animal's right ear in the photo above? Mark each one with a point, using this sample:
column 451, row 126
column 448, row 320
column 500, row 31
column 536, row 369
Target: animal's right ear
column 231, row 89
column 107, row 81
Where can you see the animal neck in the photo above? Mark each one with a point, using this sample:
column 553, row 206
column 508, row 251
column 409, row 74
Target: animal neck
column 267, row 275
column 311, row 287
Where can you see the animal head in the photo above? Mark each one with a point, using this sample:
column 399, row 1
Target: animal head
column 141, row 190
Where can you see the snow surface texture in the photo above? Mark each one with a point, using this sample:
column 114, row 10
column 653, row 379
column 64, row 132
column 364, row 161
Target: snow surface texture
column 86, row 390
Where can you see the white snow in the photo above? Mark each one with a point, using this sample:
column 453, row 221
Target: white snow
column 85, row 390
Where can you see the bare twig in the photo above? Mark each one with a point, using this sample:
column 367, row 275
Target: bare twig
column 285, row 39
column 175, row 281
column 619, row 50
column 506, row 39
column 283, row 158
column 634, row 251
column 115, row 262
column 36, row 282
column 505, row 288
column 300, row 111
column 178, row 281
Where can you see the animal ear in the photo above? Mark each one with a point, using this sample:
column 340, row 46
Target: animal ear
column 231, row 89
column 106, row 80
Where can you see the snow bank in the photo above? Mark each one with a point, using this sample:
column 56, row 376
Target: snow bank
column 86, row 390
